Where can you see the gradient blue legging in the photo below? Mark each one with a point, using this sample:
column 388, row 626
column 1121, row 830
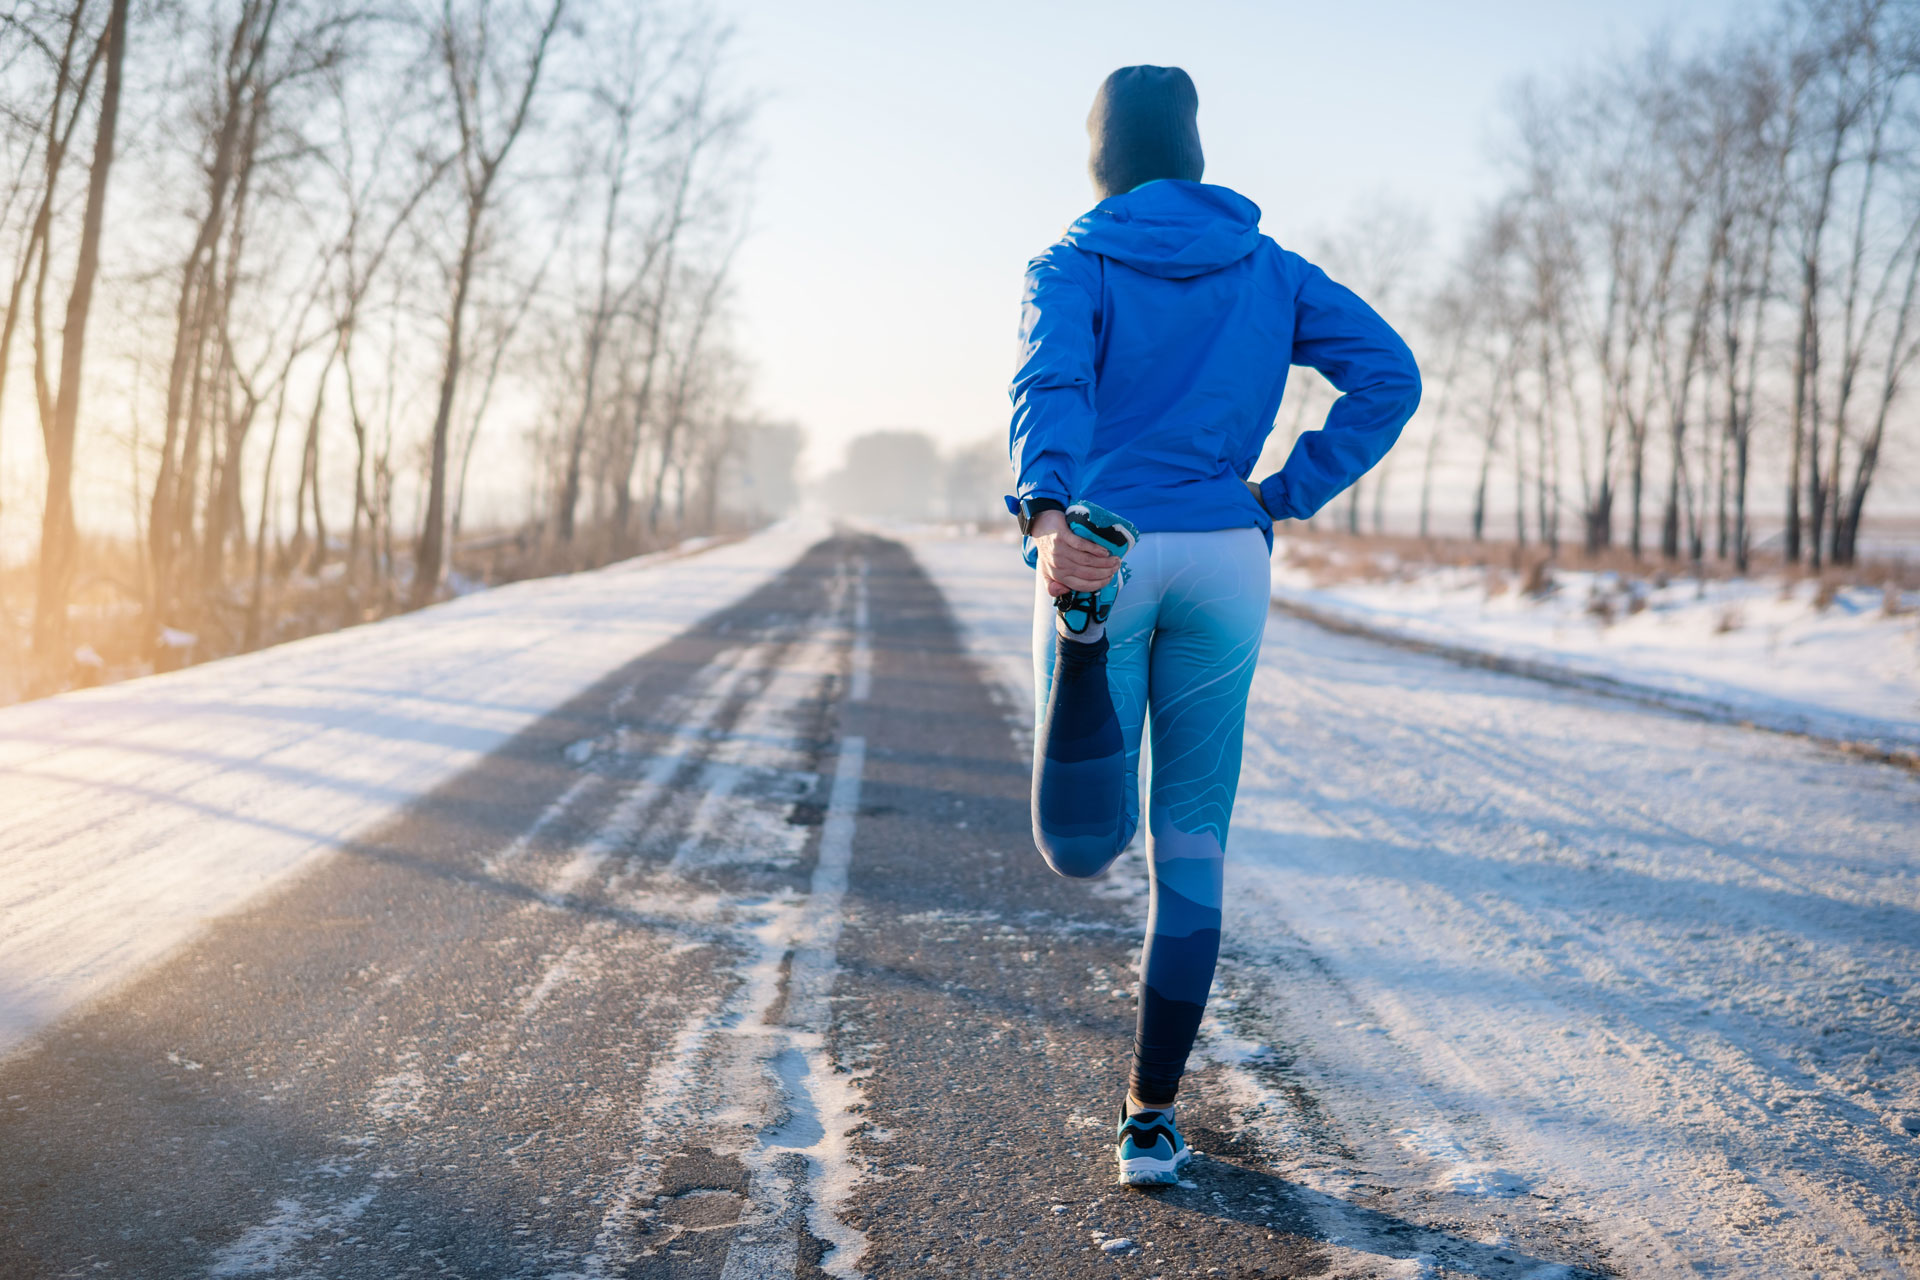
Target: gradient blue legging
column 1179, row 653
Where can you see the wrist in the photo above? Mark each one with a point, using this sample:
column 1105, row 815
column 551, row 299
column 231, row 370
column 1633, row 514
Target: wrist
column 1027, row 511
column 1051, row 520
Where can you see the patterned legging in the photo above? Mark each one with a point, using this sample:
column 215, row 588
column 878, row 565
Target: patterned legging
column 1179, row 652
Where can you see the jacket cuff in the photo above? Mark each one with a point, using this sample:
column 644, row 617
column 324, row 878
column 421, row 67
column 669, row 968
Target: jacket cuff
column 1273, row 496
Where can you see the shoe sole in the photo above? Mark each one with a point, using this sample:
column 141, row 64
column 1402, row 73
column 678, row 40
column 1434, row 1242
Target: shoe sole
column 1107, row 533
column 1152, row 1171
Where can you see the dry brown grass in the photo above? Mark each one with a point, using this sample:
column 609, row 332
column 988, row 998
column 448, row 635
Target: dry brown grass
column 112, row 634
column 1334, row 558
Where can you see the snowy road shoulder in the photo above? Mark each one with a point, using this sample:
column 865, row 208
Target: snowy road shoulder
column 137, row 812
column 1738, row 651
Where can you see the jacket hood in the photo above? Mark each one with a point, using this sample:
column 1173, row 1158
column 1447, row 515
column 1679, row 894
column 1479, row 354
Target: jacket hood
column 1170, row 228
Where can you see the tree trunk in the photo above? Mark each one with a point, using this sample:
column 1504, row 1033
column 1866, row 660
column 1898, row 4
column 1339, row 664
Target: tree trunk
column 1480, row 486
column 170, row 514
column 57, row 535
column 1742, row 535
column 254, row 603
column 1720, row 531
column 1380, row 495
column 1519, row 480
column 1806, row 369
column 362, row 510
column 1541, row 432
column 33, row 256
column 429, row 560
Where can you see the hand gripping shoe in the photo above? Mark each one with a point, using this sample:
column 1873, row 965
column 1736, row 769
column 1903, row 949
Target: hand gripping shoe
column 1081, row 609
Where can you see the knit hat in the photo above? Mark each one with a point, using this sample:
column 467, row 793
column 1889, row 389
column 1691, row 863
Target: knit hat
column 1144, row 125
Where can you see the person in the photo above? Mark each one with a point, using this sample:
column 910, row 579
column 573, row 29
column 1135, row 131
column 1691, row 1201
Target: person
column 1155, row 340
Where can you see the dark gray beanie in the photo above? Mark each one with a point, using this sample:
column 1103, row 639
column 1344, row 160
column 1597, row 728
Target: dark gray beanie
column 1144, row 125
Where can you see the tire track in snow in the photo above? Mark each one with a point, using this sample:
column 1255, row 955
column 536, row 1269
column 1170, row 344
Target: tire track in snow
column 407, row 1096
column 690, row 716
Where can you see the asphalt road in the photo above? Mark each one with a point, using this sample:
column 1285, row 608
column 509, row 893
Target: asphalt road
column 741, row 965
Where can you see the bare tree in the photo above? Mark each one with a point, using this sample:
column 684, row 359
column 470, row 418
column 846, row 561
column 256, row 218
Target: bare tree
column 66, row 106
column 491, row 108
column 233, row 108
column 622, row 100
column 1673, row 215
column 1379, row 250
column 306, row 150
column 57, row 533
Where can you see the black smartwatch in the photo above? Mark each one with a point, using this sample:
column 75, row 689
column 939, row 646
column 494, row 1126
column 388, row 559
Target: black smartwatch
column 1032, row 507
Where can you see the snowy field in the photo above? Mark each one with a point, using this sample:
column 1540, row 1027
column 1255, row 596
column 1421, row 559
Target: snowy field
column 1495, row 946
column 136, row 812
column 1841, row 669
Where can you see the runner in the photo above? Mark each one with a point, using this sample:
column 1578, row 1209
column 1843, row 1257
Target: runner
column 1155, row 341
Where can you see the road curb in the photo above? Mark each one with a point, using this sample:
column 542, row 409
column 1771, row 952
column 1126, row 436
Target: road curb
column 1904, row 755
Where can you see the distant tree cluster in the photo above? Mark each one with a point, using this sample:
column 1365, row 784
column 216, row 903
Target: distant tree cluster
column 291, row 261
column 1699, row 258
column 905, row 475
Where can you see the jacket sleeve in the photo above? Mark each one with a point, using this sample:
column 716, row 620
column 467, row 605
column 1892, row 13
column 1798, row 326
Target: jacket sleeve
column 1053, row 409
column 1360, row 354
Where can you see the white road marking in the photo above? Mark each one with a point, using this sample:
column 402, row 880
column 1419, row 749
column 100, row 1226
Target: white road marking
column 819, row 1102
column 759, row 750
column 860, row 683
column 731, row 1079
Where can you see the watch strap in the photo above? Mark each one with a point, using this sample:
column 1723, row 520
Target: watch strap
column 1029, row 508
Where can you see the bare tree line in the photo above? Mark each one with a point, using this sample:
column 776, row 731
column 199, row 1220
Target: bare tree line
column 1696, row 255
column 400, row 224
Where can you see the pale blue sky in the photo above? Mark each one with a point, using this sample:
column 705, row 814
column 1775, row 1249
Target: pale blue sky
column 917, row 154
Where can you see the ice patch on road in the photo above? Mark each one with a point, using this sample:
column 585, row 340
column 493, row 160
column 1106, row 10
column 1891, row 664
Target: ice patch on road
column 1459, row 1172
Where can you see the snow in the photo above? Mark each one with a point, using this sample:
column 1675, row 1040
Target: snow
column 1541, row 959
column 137, row 812
column 1744, row 648
column 764, row 1091
column 265, row 1248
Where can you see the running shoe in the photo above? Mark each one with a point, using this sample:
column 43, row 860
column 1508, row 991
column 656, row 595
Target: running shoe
column 1081, row 609
column 1151, row 1152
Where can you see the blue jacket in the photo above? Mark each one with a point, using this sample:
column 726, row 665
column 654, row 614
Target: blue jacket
column 1155, row 338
